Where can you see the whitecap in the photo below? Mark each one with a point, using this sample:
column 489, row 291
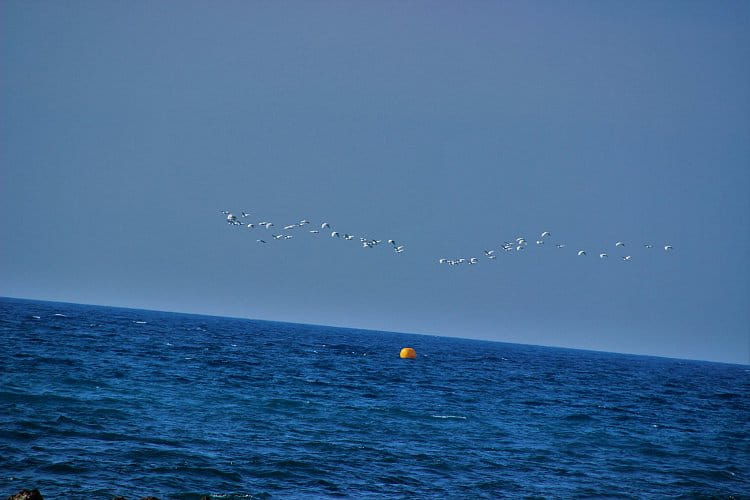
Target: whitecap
column 60, row 315
column 448, row 416
column 37, row 317
column 140, row 322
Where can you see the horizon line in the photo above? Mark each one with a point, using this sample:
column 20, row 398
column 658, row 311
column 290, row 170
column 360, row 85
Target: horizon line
column 3, row 297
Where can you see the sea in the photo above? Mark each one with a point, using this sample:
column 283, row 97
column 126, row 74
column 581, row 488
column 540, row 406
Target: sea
column 101, row 401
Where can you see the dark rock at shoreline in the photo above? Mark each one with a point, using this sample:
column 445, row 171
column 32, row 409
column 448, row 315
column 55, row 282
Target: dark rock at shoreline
column 27, row 495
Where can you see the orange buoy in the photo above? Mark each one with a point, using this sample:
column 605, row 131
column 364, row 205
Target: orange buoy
column 408, row 352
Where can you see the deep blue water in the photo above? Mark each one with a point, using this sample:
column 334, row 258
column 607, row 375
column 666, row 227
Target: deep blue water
column 98, row 401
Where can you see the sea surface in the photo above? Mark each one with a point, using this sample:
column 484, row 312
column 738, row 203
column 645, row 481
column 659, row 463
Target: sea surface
column 99, row 401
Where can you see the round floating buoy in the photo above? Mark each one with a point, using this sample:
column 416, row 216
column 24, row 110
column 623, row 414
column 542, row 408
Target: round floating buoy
column 408, row 352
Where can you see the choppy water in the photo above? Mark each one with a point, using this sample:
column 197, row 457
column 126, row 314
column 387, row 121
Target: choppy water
column 98, row 401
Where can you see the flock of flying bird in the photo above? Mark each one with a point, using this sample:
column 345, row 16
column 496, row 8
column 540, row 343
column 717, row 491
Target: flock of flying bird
column 520, row 244
column 325, row 226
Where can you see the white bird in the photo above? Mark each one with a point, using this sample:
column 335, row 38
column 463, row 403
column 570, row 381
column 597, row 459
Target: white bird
column 398, row 250
column 540, row 242
column 619, row 244
column 334, row 234
column 668, row 248
column 225, row 212
column 325, row 225
column 561, row 245
column 245, row 214
column 442, row 261
column 288, row 237
column 392, row 242
column 261, row 241
column 290, row 226
column 581, row 252
column 231, row 218
column 603, row 255
column 277, row 236
column 489, row 252
column 648, row 245
column 626, row 258
column 473, row 260
column 545, row 234
column 314, row 231
column 348, row 237
column 519, row 248
column 492, row 256
column 250, row 226
column 303, row 222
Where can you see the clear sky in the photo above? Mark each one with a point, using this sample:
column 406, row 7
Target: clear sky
column 125, row 127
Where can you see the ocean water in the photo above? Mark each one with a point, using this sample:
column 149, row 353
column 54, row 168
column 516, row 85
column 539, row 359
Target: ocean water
column 98, row 401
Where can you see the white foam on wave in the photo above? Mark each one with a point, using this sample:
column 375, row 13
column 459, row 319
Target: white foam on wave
column 449, row 416
column 37, row 317
column 140, row 322
column 60, row 315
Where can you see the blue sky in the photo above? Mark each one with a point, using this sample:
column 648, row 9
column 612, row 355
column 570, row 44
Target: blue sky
column 450, row 127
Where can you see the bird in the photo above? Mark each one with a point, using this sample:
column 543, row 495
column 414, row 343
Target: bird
column 540, row 242
column 473, row 260
column 250, row 226
column 290, row 226
column 545, row 234
column 245, row 214
column 648, row 245
column 626, row 258
column 334, row 234
column 325, row 225
column 603, row 255
column 619, row 244
column 314, row 231
column 667, row 248
column 303, row 222
column 261, row 241
column 561, row 245
column 581, row 252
